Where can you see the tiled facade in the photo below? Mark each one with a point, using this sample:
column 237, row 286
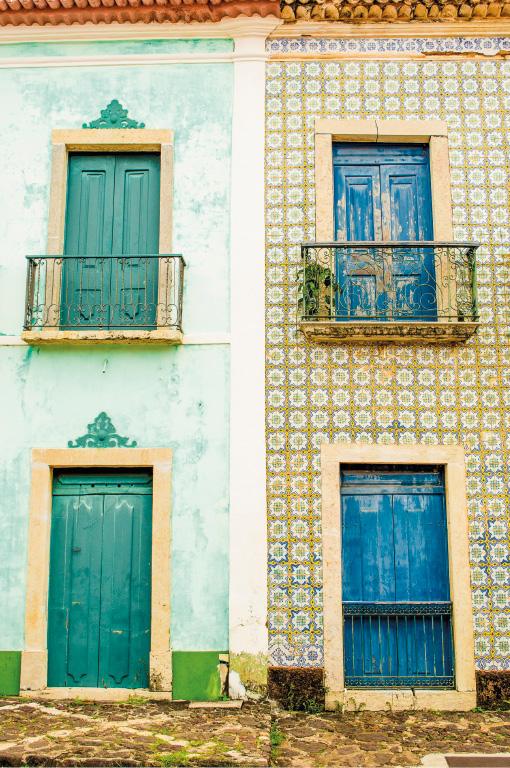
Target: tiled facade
column 393, row 393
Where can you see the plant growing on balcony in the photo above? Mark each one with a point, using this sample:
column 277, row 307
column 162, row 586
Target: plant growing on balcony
column 316, row 283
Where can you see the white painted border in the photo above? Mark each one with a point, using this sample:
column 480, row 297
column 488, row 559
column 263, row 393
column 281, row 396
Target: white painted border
column 190, row 339
column 196, row 30
column 35, row 62
column 248, row 528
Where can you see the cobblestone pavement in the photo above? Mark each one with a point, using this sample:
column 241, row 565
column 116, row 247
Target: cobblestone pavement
column 159, row 733
column 142, row 732
column 385, row 738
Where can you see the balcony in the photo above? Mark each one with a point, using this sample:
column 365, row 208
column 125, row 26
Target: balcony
column 94, row 299
column 388, row 291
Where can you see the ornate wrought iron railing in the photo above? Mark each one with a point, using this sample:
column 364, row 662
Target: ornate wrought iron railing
column 388, row 281
column 398, row 645
column 104, row 292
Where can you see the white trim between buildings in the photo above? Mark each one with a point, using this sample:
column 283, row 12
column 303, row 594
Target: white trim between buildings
column 248, row 528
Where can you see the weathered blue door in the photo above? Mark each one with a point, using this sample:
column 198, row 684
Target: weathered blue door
column 112, row 210
column 100, row 580
column 395, row 581
column 382, row 193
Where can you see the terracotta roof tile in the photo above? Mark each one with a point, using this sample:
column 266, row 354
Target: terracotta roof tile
column 27, row 12
column 358, row 11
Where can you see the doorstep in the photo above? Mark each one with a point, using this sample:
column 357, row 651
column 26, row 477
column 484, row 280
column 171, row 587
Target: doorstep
column 96, row 694
column 123, row 694
column 399, row 699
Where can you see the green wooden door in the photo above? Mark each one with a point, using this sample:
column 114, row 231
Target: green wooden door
column 100, row 580
column 112, row 215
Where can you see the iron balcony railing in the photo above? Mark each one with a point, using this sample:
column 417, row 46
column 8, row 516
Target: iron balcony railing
column 388, row 281
column 398, row 645
column 104, row 292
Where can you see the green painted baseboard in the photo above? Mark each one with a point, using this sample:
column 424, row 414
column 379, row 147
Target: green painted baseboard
column 195, row 675
column 10, row 666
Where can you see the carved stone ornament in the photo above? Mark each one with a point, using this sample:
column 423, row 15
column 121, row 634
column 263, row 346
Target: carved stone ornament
column 101, row 434
column 114, row 116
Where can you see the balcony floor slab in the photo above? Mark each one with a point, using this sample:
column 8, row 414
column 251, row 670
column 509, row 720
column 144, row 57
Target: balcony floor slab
column 88, row 336
column 332, row 331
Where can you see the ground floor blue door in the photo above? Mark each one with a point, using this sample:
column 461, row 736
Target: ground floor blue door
column 99, row 605
column 395, row 578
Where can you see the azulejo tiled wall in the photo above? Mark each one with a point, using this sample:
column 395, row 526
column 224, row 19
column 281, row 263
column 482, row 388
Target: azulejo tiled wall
column 397, row 393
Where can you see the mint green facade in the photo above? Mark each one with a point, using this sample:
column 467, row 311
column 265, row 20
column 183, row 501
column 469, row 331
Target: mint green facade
column 160, row 396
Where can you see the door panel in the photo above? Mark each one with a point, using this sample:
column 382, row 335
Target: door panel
column 74, row 590
column 357, row 203
column 402, row 219
column 407, row 216
column 357, row 217
column 134, row 286
column 367, row 551
column 89, row 214
column 136, row 207
column 420, row 548
column 125, row 592
column 85, row 289
column 100, row 580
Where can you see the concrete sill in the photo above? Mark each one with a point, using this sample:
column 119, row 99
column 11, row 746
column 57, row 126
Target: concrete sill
column 331, row 331
column 396, row 700
column 96, row 694
column 128, row 336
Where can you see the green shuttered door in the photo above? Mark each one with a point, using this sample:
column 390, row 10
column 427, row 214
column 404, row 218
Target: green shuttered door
column 112, row 210
column 100, row 580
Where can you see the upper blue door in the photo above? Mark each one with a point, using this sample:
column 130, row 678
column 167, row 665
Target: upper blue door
column 382, row 193
column 395, row 579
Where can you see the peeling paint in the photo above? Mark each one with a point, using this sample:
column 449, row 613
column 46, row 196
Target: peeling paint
column 161, row 396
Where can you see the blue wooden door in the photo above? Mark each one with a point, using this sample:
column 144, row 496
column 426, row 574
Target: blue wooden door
column 112, row 210
column 382, row 193
column 100, row 580
column 395, row 582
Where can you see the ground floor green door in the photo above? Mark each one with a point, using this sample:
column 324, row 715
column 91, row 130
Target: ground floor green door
column 99, row 612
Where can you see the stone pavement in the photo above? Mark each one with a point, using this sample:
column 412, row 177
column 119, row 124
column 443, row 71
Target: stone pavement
column 387, row 738
column 160, row 733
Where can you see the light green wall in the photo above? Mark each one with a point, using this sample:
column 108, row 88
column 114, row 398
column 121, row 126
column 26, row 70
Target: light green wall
column 193, row 100
column 110, row 48
column 159, row 396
